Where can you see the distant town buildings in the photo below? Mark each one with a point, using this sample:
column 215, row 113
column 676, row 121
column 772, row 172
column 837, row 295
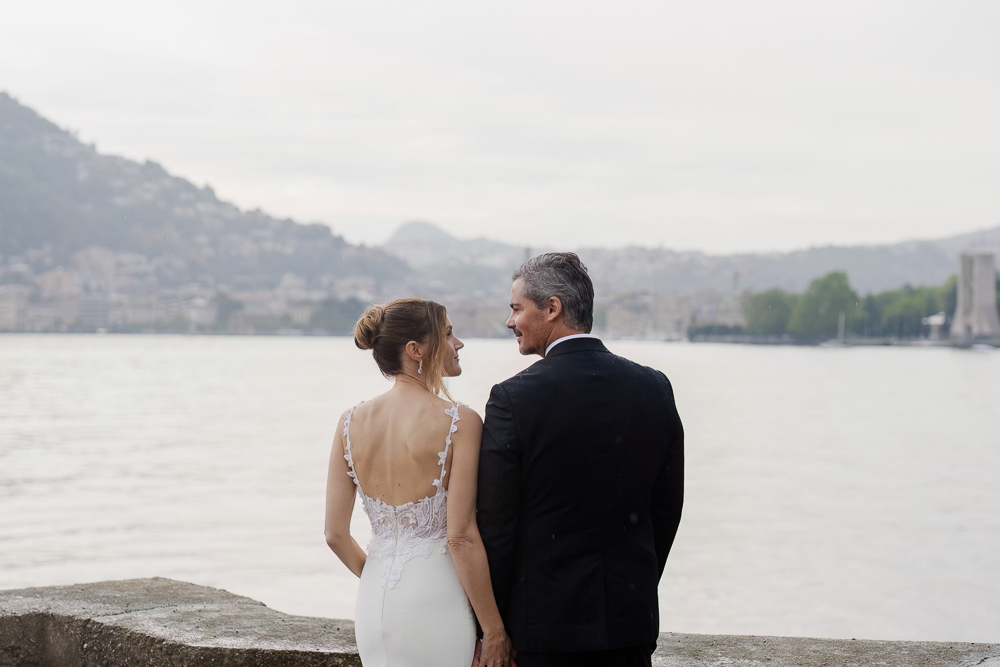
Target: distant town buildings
column 667, row 317
column 254, row 286
column 102, row 289
column 122, row 291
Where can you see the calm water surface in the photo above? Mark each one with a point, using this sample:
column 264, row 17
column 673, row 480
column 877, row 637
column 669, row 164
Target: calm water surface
column 831, row 492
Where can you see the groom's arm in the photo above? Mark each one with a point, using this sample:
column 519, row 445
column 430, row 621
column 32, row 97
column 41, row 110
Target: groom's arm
column 499, row 492
column 668, row 489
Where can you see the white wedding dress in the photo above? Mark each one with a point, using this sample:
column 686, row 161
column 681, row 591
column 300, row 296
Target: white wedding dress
column 412, row 610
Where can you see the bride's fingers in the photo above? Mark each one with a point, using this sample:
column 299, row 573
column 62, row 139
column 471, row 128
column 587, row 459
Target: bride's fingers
column 478, row 652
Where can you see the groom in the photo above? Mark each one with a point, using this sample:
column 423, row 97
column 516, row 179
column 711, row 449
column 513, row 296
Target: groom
column 581, row 481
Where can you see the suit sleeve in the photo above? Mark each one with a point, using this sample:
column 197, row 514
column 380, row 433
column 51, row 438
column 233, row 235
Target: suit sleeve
column 668, row 489
column 499, row 492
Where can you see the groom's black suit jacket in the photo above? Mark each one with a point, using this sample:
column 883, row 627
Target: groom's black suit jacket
column 581, row 482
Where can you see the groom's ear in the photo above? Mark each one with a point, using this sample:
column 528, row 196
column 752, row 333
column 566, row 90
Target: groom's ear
column 555, row 309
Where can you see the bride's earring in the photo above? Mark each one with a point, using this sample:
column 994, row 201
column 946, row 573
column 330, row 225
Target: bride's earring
column 420, row 368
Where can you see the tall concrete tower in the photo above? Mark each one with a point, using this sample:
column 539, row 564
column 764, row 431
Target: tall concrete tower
column 976, row 312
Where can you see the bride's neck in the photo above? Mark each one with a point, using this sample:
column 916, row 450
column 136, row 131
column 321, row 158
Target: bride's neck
column 404, row 381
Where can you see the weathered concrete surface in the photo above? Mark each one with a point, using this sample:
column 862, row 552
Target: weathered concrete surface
column 161, row 622
column 174, row 624
column 677, row 650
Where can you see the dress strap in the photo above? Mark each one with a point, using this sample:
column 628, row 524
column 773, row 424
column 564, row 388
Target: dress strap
column 347, row 446
column 443, row 456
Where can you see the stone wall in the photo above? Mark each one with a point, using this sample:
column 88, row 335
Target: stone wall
column 176, row 624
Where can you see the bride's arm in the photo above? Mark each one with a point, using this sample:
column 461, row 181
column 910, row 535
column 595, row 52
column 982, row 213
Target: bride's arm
column 464, row 541
column 340, row 495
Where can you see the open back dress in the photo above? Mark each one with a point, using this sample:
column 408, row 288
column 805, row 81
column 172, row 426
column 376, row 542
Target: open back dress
column 412, row 610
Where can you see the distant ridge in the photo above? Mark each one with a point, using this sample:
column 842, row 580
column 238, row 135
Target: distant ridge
column 871, row 268
column 452, row 267
column 419, row 232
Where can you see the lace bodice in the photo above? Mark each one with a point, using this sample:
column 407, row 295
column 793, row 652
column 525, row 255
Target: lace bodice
column 403, row 532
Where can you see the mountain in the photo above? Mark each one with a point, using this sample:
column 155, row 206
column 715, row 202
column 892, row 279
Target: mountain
column 479, row 262
column 450, row 267
column 59, row 196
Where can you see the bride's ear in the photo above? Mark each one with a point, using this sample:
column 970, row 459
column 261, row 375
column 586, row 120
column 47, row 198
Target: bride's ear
column 413, row 351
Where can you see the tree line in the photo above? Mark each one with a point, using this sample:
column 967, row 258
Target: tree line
column 815, row 313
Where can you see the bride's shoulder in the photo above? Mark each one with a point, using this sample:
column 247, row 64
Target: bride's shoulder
column 352, row 409
column 468, row 417
column 350, row 413
column 343, row 424
column 464, row 414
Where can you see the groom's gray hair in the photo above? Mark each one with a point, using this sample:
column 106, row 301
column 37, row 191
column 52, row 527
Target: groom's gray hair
column 562, row 275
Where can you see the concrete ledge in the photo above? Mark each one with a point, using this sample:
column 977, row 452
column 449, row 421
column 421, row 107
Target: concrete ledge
column 677, row 650
column 175, row 624
column 161, row 622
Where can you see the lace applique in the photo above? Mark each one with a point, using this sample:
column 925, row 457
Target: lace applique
column 400, row 533
column 407, row 531
column 347, row 447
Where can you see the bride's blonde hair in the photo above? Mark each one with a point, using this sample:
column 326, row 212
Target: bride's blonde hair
column 385, row 329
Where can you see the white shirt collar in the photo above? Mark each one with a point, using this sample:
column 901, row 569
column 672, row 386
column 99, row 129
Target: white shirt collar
column 570, row 337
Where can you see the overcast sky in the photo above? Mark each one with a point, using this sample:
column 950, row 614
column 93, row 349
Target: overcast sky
column 720, row 126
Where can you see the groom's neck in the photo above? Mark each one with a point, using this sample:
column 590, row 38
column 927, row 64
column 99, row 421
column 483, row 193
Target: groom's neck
column 560, row 330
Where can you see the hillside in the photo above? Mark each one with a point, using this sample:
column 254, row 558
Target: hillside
column 59, row 196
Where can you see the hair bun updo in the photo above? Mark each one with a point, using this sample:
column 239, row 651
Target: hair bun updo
column 386, row 329
column 369, row 326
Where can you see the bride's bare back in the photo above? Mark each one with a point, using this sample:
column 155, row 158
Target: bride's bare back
column 396, row 440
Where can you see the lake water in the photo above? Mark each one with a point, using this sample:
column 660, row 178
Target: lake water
column 830, row 492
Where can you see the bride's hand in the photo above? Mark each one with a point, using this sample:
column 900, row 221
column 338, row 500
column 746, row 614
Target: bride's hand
column 479, row 650
column 496, row 650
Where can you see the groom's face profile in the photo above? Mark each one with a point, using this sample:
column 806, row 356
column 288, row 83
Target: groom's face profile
column 531, row 325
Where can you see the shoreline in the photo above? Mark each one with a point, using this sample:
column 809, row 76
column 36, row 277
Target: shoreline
column 733, row 339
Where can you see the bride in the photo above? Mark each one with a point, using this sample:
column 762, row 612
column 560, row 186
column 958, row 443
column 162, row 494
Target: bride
column 412, row 457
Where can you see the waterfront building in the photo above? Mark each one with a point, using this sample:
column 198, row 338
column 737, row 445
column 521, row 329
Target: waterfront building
column 976, row 316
